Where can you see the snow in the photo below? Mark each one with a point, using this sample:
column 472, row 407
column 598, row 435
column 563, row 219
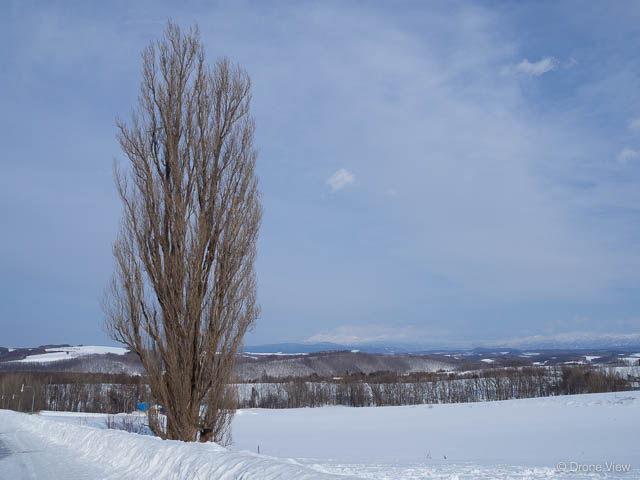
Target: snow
column 591, row 358
column 275, row 354
column 507, row 439
column 53, row 447
column 633, row 360
column 66, row 353
column 334, row 364
column 514, row 439
column 487, row 360
column 625, row 372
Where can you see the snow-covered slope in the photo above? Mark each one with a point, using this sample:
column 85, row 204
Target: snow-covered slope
column 66, row 353
column 36, row 447
column 337, row 363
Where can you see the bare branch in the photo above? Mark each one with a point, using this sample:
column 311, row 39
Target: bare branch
column 184, row 291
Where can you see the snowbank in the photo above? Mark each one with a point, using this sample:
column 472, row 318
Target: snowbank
column 129, row 455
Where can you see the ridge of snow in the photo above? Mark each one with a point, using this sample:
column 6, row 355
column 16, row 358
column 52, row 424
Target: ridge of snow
column 129, row 455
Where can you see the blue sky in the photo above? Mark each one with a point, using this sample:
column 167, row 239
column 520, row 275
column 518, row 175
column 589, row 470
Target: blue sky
column 431, row 171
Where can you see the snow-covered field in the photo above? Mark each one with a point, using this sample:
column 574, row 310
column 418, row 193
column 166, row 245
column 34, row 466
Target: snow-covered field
column 510, row 439
column 589, row 436
column 67, row 353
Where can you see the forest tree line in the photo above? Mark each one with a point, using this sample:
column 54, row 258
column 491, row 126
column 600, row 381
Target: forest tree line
column 114, row 393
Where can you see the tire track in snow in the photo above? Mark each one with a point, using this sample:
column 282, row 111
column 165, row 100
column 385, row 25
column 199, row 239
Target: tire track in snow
column 25, row 455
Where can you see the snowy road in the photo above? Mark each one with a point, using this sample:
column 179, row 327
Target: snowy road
column 78, row 446
column 25, row 455
column 4, row 450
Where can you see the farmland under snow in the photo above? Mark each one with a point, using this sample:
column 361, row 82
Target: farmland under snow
column 516, row 439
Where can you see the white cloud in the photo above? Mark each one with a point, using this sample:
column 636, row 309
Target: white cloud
column 373, row 333
column 430, row 338
column 488, row 210
column 634, row 125
column 627, row 155
column 570, row 340
column 341, row 179
column 537, row 68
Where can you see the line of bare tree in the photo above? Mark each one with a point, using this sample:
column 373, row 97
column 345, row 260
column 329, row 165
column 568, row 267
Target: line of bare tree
column 390, row 389
column 115, row 393
column 72, row 392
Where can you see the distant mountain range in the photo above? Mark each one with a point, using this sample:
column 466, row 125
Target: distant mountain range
column 564, row 341
column 515, row 346
column 281, row 360
column 574, row 340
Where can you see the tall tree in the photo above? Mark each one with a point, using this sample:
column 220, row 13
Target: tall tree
column 184, row 289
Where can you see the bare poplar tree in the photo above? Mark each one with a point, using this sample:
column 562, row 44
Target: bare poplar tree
column 184, row 288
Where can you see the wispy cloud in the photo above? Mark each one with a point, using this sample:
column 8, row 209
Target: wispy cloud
column 341, row 179
column 420, row 336
column 490, row 229
column 634, row 125
column 628, row 155
column 374, row 333
column 574, row 339
column 538, row 68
